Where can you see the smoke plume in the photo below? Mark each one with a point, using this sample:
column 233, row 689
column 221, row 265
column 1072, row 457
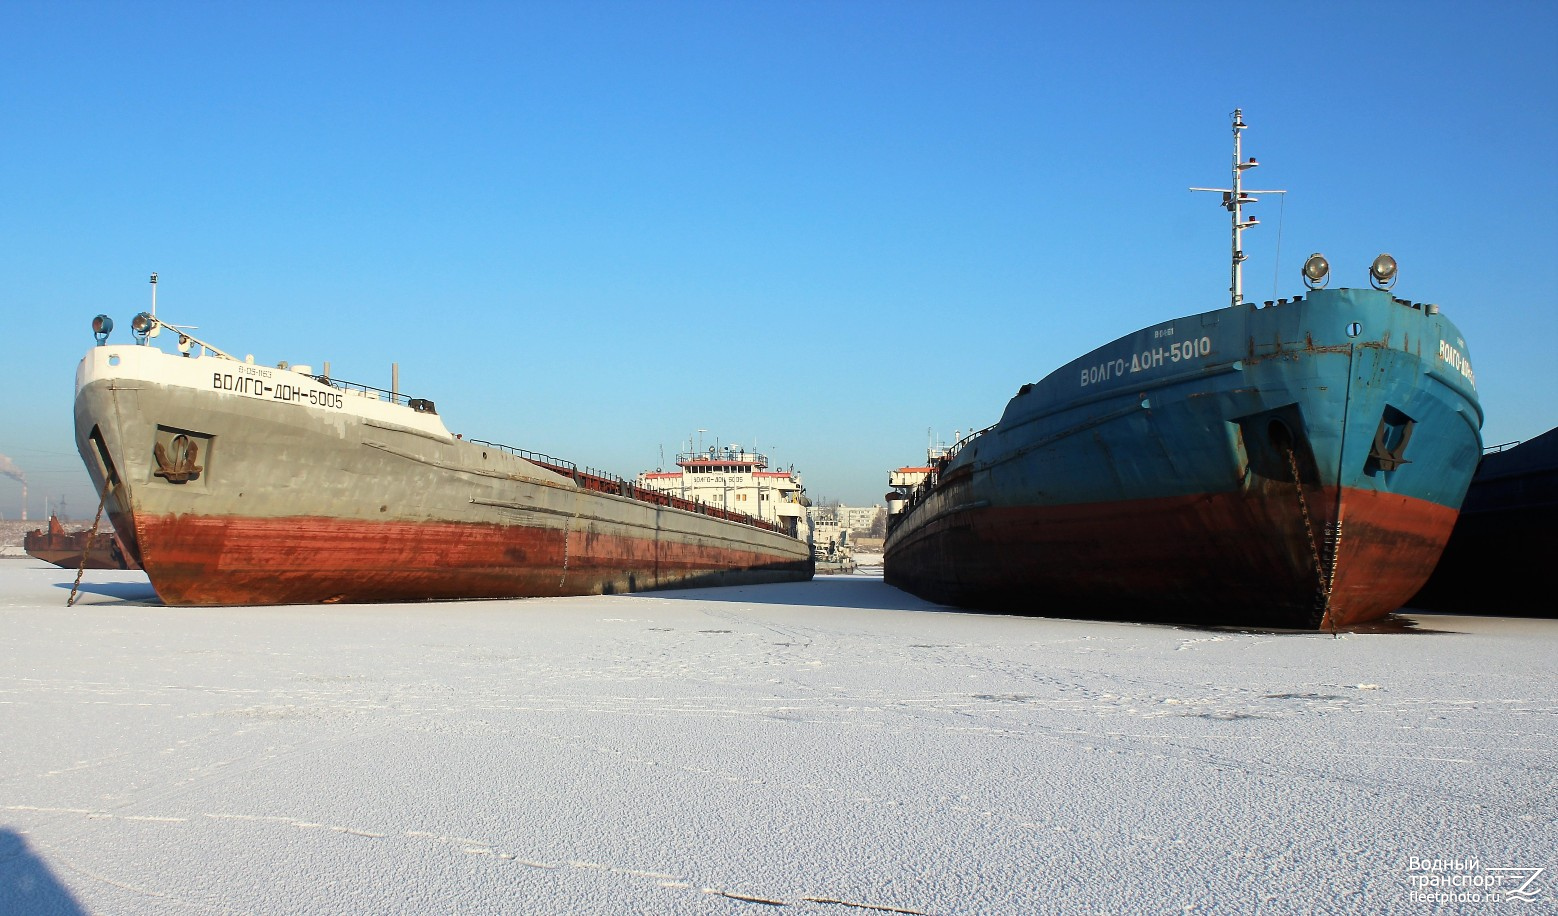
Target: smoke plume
column 10, row 470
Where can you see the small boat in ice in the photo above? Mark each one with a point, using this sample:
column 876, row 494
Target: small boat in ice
column 78, row 549
column 1293, row 465
column 831, row 542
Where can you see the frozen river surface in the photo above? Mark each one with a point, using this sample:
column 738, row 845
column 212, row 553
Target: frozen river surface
column 829, row 747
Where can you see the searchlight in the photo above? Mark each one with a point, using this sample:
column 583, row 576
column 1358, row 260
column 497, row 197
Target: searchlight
column 1382, row 273
column 1316, row 271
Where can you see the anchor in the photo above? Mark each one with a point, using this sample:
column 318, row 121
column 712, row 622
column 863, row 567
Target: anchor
column 182, row 468
column 1386, row 457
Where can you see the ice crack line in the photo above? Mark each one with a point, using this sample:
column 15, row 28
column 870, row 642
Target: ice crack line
column 469, row 846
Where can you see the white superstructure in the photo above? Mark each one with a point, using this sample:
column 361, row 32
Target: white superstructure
column 733, row 478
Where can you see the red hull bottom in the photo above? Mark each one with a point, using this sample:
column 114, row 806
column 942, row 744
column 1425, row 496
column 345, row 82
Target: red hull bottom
column 243, row 561
column 1224, row 559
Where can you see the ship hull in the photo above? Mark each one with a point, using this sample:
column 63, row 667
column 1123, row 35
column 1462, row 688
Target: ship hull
column 76, row 549
column 284, row 490
column 1152, row 560
column 1298, row 466
column 313, row 559
column 1496, row 559
column 97, row 558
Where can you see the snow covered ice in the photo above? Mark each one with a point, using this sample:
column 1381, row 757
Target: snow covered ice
column 831, row 747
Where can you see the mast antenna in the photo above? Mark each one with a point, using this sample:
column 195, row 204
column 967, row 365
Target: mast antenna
column 1235, row 199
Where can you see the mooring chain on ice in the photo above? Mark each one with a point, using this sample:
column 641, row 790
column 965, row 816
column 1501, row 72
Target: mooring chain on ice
column 91, row 536
column 1324, row 590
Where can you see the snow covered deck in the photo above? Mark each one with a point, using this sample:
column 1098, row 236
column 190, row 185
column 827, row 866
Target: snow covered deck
column 833, row 746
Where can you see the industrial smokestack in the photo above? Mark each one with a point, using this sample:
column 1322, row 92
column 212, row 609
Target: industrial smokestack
column 15, row 473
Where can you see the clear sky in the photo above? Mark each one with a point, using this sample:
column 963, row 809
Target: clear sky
column 593, row 229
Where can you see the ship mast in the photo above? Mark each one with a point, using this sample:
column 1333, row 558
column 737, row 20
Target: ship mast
column 1235, row 199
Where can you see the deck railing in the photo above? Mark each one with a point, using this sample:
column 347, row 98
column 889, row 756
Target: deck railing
column 420, row 405
column 589, row 478
column 598, row 481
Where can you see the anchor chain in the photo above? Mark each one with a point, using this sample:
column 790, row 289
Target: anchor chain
column 567, row 525
column 1334, row 545
column 567, row 535
column 91, row 537
column 1324, row 580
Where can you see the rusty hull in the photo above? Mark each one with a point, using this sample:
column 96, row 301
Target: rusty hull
column 313, row 560
column 1184, row 559
column 237, row 485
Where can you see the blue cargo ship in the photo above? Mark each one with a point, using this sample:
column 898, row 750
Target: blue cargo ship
column 1496, row 559
column 1293, row 464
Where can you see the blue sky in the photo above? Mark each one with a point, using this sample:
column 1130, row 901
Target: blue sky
column 592, row 229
